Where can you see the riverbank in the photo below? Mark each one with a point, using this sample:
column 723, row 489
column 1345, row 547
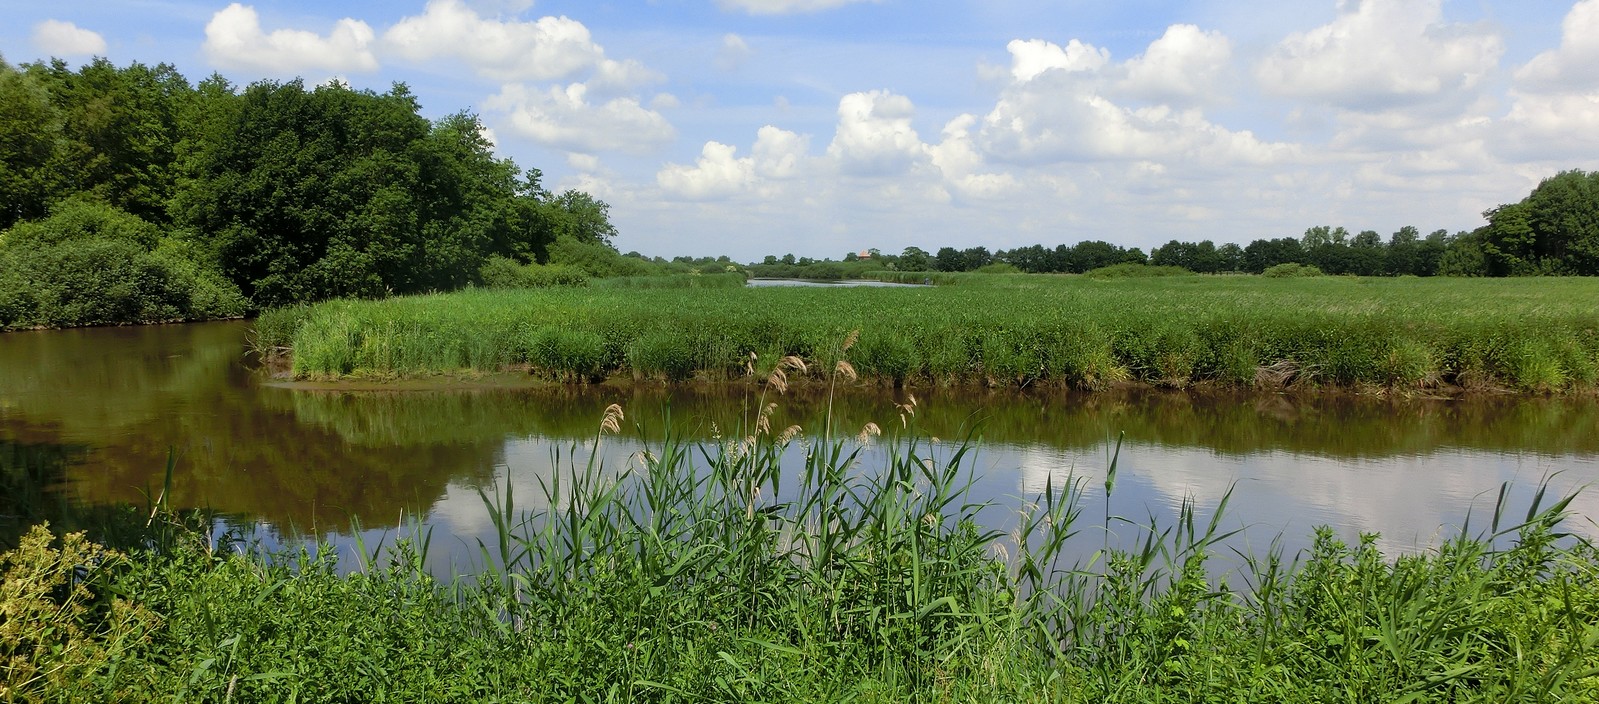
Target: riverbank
column 728, row 576
column 1373, row 335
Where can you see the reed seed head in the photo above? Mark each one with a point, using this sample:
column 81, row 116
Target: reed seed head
column 846, row 370
column 868, row 431
column 612, row 422
column 778, row 380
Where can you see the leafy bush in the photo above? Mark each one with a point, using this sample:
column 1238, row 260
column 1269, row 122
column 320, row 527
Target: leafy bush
column 211, row 295
column 1289, row 270
column 998, row 268
column 77, row 219
column 1134, row 270
column 596, row 259
column 90, row 264
column 501, row 272
column 97, row 282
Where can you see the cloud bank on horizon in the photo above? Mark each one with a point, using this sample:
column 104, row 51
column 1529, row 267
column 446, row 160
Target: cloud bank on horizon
column 819, row 127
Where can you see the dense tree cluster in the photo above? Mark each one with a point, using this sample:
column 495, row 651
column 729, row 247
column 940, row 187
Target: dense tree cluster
column 243, row 198
column 1553, row 231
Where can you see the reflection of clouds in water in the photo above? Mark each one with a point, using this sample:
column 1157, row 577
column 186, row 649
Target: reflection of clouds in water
column 1410, row 500
column 530, row 465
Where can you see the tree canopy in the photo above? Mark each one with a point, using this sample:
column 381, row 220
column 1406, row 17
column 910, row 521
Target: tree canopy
column 286, row 192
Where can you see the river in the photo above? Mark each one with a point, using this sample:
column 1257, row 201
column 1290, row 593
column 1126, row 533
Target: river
column 89, row 417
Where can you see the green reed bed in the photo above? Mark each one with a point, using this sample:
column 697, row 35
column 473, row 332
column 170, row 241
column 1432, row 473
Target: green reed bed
column 1528, row 334
column 732, row 572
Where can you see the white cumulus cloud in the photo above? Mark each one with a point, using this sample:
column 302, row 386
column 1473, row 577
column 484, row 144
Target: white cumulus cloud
column 1032, row 57
column 719, row 173
column 1550, row 127
column 565, row 118
column 1575, row 63
column 234, row 39
column 874, row 134
column 962, row 166
column 1057, row 108
column 1554, row 111
column 1377, row 54
column 549, row 48
column 58, row 38
column 778, row 153
column 1186, row 65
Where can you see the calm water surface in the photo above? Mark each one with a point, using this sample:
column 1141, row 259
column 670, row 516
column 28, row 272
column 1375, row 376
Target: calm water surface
column 87, row 418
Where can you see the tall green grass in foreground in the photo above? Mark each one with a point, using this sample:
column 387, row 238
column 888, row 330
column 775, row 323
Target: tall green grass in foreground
column 1019, row 331
column 718, row 573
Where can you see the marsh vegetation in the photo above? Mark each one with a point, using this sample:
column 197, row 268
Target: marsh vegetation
column 1403, row 334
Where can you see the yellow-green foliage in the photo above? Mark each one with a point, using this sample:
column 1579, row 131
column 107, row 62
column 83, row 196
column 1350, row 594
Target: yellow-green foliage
column 55, row 630
column 1534, row 334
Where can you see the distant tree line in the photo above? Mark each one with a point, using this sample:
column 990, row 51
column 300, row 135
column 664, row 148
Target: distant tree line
column 131, row 195
column 1553, row 231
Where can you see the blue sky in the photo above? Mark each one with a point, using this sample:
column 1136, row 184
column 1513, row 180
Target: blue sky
column 818, row 127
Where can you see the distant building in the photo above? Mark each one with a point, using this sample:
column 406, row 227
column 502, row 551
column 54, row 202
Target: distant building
column 865, row 254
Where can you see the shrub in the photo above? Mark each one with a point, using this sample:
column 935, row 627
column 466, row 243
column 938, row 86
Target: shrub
column 91, row 264
column 81, row 218
column 99, row 282
column 210, row 294
column 1128, row 270
column 596, row 259
column 1290, row 270
column 500, row 272
column 998, row 268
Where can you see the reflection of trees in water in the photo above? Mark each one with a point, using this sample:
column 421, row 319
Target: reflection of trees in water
column 34, row 469
column 126, row 397
column 1328, row 426
column 30, row 471
column 98, row 381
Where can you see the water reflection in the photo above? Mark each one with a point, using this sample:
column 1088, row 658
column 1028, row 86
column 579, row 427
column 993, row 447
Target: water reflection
column 110, row 404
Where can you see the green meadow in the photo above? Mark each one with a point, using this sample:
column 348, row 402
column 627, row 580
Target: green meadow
column 1524, row 334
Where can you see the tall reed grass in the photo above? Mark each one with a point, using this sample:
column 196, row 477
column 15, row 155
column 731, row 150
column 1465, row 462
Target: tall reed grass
column 727, row 572
column 1533, row 335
